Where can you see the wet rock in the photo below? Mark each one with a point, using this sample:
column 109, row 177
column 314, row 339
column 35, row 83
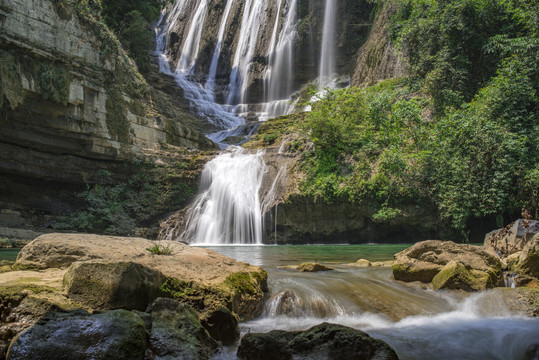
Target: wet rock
column 177, row 333
column 456, row 276
column 361, row 263
column 512, row 238
column 222, row 325
column 117, row 334
column 324, row 341
column 423, row 261
column 313, row 267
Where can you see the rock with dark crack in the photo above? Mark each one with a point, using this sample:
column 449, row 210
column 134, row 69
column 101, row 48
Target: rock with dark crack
column 176, row 332
column 324, row 341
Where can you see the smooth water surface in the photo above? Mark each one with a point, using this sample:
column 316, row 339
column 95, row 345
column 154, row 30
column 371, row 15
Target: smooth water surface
column 9, row 254
column 420, row 324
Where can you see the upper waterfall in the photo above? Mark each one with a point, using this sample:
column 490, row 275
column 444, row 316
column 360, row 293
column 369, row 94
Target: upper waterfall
column 328, row 52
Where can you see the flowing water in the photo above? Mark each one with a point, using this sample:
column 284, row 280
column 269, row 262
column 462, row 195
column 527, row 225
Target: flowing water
column 328, row 52
column 227, row 209
column 418, row 323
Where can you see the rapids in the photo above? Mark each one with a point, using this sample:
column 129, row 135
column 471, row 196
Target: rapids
column 418, row 323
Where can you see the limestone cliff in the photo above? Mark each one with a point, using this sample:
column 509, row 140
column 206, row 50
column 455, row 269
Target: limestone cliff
column 378, row 59
column 73, row 103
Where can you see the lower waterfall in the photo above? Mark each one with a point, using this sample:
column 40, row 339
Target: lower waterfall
column 228, row 209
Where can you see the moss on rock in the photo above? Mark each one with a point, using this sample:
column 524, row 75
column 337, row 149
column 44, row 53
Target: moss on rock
column 460, row 277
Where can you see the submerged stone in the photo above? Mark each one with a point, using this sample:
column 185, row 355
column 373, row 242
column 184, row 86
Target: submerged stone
column 313, row 267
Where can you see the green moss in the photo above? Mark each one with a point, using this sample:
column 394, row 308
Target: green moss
column 242, row 282
column 54, row 82
column 11, row 91
column 459, row 277
column 117, row 122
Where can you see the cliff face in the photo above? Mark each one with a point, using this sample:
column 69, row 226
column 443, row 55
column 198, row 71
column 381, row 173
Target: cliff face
column 72, row 103
column 378, row 59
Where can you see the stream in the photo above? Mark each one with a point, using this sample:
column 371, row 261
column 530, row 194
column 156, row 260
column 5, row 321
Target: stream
column 418, row 323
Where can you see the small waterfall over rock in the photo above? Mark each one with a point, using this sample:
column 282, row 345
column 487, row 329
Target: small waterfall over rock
column 227, row 209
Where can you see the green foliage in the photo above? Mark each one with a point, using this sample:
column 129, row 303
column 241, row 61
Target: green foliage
column 113, row 207
column 130, row 22
column 7, row 243
column 159, row 249
column 456, row 46
column 54, row 83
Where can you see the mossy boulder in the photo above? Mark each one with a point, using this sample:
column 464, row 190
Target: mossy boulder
column 457, row 276
column 324, row 341
column 114, row 335
column 528, row 261
column 462, row 264
column 177, row 333
column 113, row 285
column 313, row 267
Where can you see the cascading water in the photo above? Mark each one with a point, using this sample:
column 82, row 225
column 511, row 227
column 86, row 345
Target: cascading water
column 327, row 54
column 279, row 74
column 228, row 209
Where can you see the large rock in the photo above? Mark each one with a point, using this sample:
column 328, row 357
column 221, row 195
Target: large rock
column 107, row 272
column 456, row 276
column 426, row 259
column 528, row 262
column 324, row 341
column 114, row 335
column 512, row 238
column 113, row 285
column 177, row 333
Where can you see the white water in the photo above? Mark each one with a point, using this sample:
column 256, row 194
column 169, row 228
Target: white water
column 279, row 75
column 210, row 83
column 327, row 54
column 253, row 15
column 227, row 209
column 202, row 99
column 420, row 324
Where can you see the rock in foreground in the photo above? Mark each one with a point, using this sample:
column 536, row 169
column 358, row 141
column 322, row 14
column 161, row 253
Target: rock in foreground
column 324, row 341
column 449, row 266
column 103, row 273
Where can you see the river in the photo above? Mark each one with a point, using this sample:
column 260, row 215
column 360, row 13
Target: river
column 420, row 324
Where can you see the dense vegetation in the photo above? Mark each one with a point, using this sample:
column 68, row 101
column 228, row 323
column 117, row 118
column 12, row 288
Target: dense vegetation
column 130, row 22
column 460, row 134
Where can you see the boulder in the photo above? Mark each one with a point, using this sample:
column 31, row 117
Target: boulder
column 313, row 267
column 114, row 335
column 177, row 333
column 425, row 260
column 456, row 276
column 512, row 238
column 324, row 341
column 108, row 272
column 528, row 262
column 113, row 285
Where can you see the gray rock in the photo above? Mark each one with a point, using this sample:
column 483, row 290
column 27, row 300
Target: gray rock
column 512, row 238
column 114, row 335
column 177, row 332
column 324, row 341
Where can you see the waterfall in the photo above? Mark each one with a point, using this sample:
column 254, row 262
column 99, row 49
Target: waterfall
column 252, row 16
column 210, row 83
column 227, row 209
column 328, row 50
column 201, row 99
column 191, row 44
column 278, row 77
